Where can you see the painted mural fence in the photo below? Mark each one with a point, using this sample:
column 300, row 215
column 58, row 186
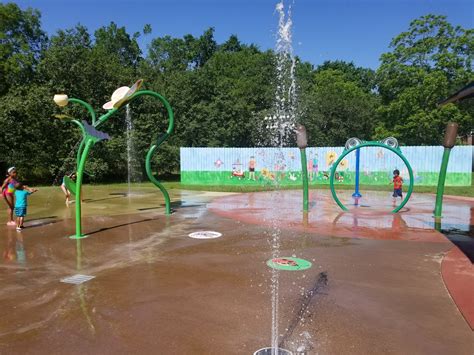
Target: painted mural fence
column 266, row 166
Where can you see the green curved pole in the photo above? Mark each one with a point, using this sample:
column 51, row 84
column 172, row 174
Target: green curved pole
column 80, row 173
column 79, row 152
column 87, row 142
column 371, row 144
column 304, row 175
column 159, row 141
column 87, row 106
column 155, row 181
column 441, row 181
column 81, row 146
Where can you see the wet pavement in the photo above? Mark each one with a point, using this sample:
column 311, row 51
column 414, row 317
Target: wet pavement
column 375, row 285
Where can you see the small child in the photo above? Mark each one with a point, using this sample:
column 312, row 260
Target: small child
column 397, row 185
column 72, row 176
column 21, row 203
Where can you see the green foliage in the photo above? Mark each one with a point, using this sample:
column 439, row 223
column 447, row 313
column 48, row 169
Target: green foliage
column 427, row 63
column 21, row 42
column 338, row 108
column 220, row 93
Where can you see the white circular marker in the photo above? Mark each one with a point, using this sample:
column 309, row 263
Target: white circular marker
column 205, row 235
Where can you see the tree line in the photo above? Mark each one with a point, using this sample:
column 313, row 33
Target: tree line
column 220, row 92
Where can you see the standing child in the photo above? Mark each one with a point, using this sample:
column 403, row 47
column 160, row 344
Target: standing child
column 8, row 192
column 397, row 185
column 21, row 203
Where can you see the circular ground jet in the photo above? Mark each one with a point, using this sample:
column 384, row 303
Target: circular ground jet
column 289, row 263
column 272, row 351
column 205, row 235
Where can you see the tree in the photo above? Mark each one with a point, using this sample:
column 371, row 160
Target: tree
column 427, row 63
column 169, row 54
column 363, row 77
column 115, row 41
column 206, row 46
column 21, row 43
column 231, row 45
column 337, row 108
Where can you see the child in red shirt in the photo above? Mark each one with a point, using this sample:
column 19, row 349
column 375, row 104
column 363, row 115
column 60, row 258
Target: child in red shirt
column 397, row 185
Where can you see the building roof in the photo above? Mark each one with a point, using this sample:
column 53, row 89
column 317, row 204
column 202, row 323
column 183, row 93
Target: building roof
column 463, row 94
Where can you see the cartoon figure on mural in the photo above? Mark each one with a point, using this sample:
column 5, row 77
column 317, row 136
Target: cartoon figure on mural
column 280, row 166
column 291, row 175
column 218, row 163
column 331, row 158
column 252, row 164
column 237, row 170
column 315, row 167
column 267, row 175
column 310, row 169
column 343, row 165
column 380, row 155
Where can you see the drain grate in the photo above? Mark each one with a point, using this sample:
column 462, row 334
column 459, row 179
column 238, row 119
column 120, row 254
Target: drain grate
column 205, row 235
column 77, row 279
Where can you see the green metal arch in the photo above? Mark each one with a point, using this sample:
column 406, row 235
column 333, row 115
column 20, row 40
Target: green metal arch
column 154, row 146
column 397, row 151
column 159, row 141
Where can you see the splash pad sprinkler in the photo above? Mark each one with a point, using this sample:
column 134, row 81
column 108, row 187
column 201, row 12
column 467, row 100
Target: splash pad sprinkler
column 355, row 144
column 302, row 143
column 448, row 144
column 91, row 135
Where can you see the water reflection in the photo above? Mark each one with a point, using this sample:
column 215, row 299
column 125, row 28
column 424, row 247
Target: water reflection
column 14, row 248
column 82, row 288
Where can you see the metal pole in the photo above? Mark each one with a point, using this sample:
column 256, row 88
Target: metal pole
column 448, row 143
column 80, row 173
column 441, row 180
column 357, row 172
column 304, row 175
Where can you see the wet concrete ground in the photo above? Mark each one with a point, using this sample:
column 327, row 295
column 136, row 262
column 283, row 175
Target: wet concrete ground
column 157, row 291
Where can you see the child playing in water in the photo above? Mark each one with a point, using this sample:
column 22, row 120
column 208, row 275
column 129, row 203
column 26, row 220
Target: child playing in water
column 72, row 176
column 21, row 203
column 397, row 185
column 8, row 192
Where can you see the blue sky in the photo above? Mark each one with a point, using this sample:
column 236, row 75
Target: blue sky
column 351, row 30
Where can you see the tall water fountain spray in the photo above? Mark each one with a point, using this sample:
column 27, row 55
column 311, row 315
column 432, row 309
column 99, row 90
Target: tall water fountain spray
column 282, row 122
column 281, row 128
column 130, row 148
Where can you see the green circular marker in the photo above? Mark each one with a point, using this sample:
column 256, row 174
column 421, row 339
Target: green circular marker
column 289, row 263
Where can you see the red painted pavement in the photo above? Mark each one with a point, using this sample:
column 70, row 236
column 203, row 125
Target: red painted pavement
column 458, row 275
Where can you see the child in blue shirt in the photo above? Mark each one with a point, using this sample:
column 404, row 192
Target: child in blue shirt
column 21, row 203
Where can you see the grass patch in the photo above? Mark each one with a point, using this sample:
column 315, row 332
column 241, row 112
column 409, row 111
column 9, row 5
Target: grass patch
column 172, row 185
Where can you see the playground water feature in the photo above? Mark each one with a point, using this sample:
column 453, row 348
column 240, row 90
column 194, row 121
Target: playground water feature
column 279, row 132
column 161, row 244
column 165, row 290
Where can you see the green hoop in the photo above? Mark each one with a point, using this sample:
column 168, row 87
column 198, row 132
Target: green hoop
column 397, row 151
